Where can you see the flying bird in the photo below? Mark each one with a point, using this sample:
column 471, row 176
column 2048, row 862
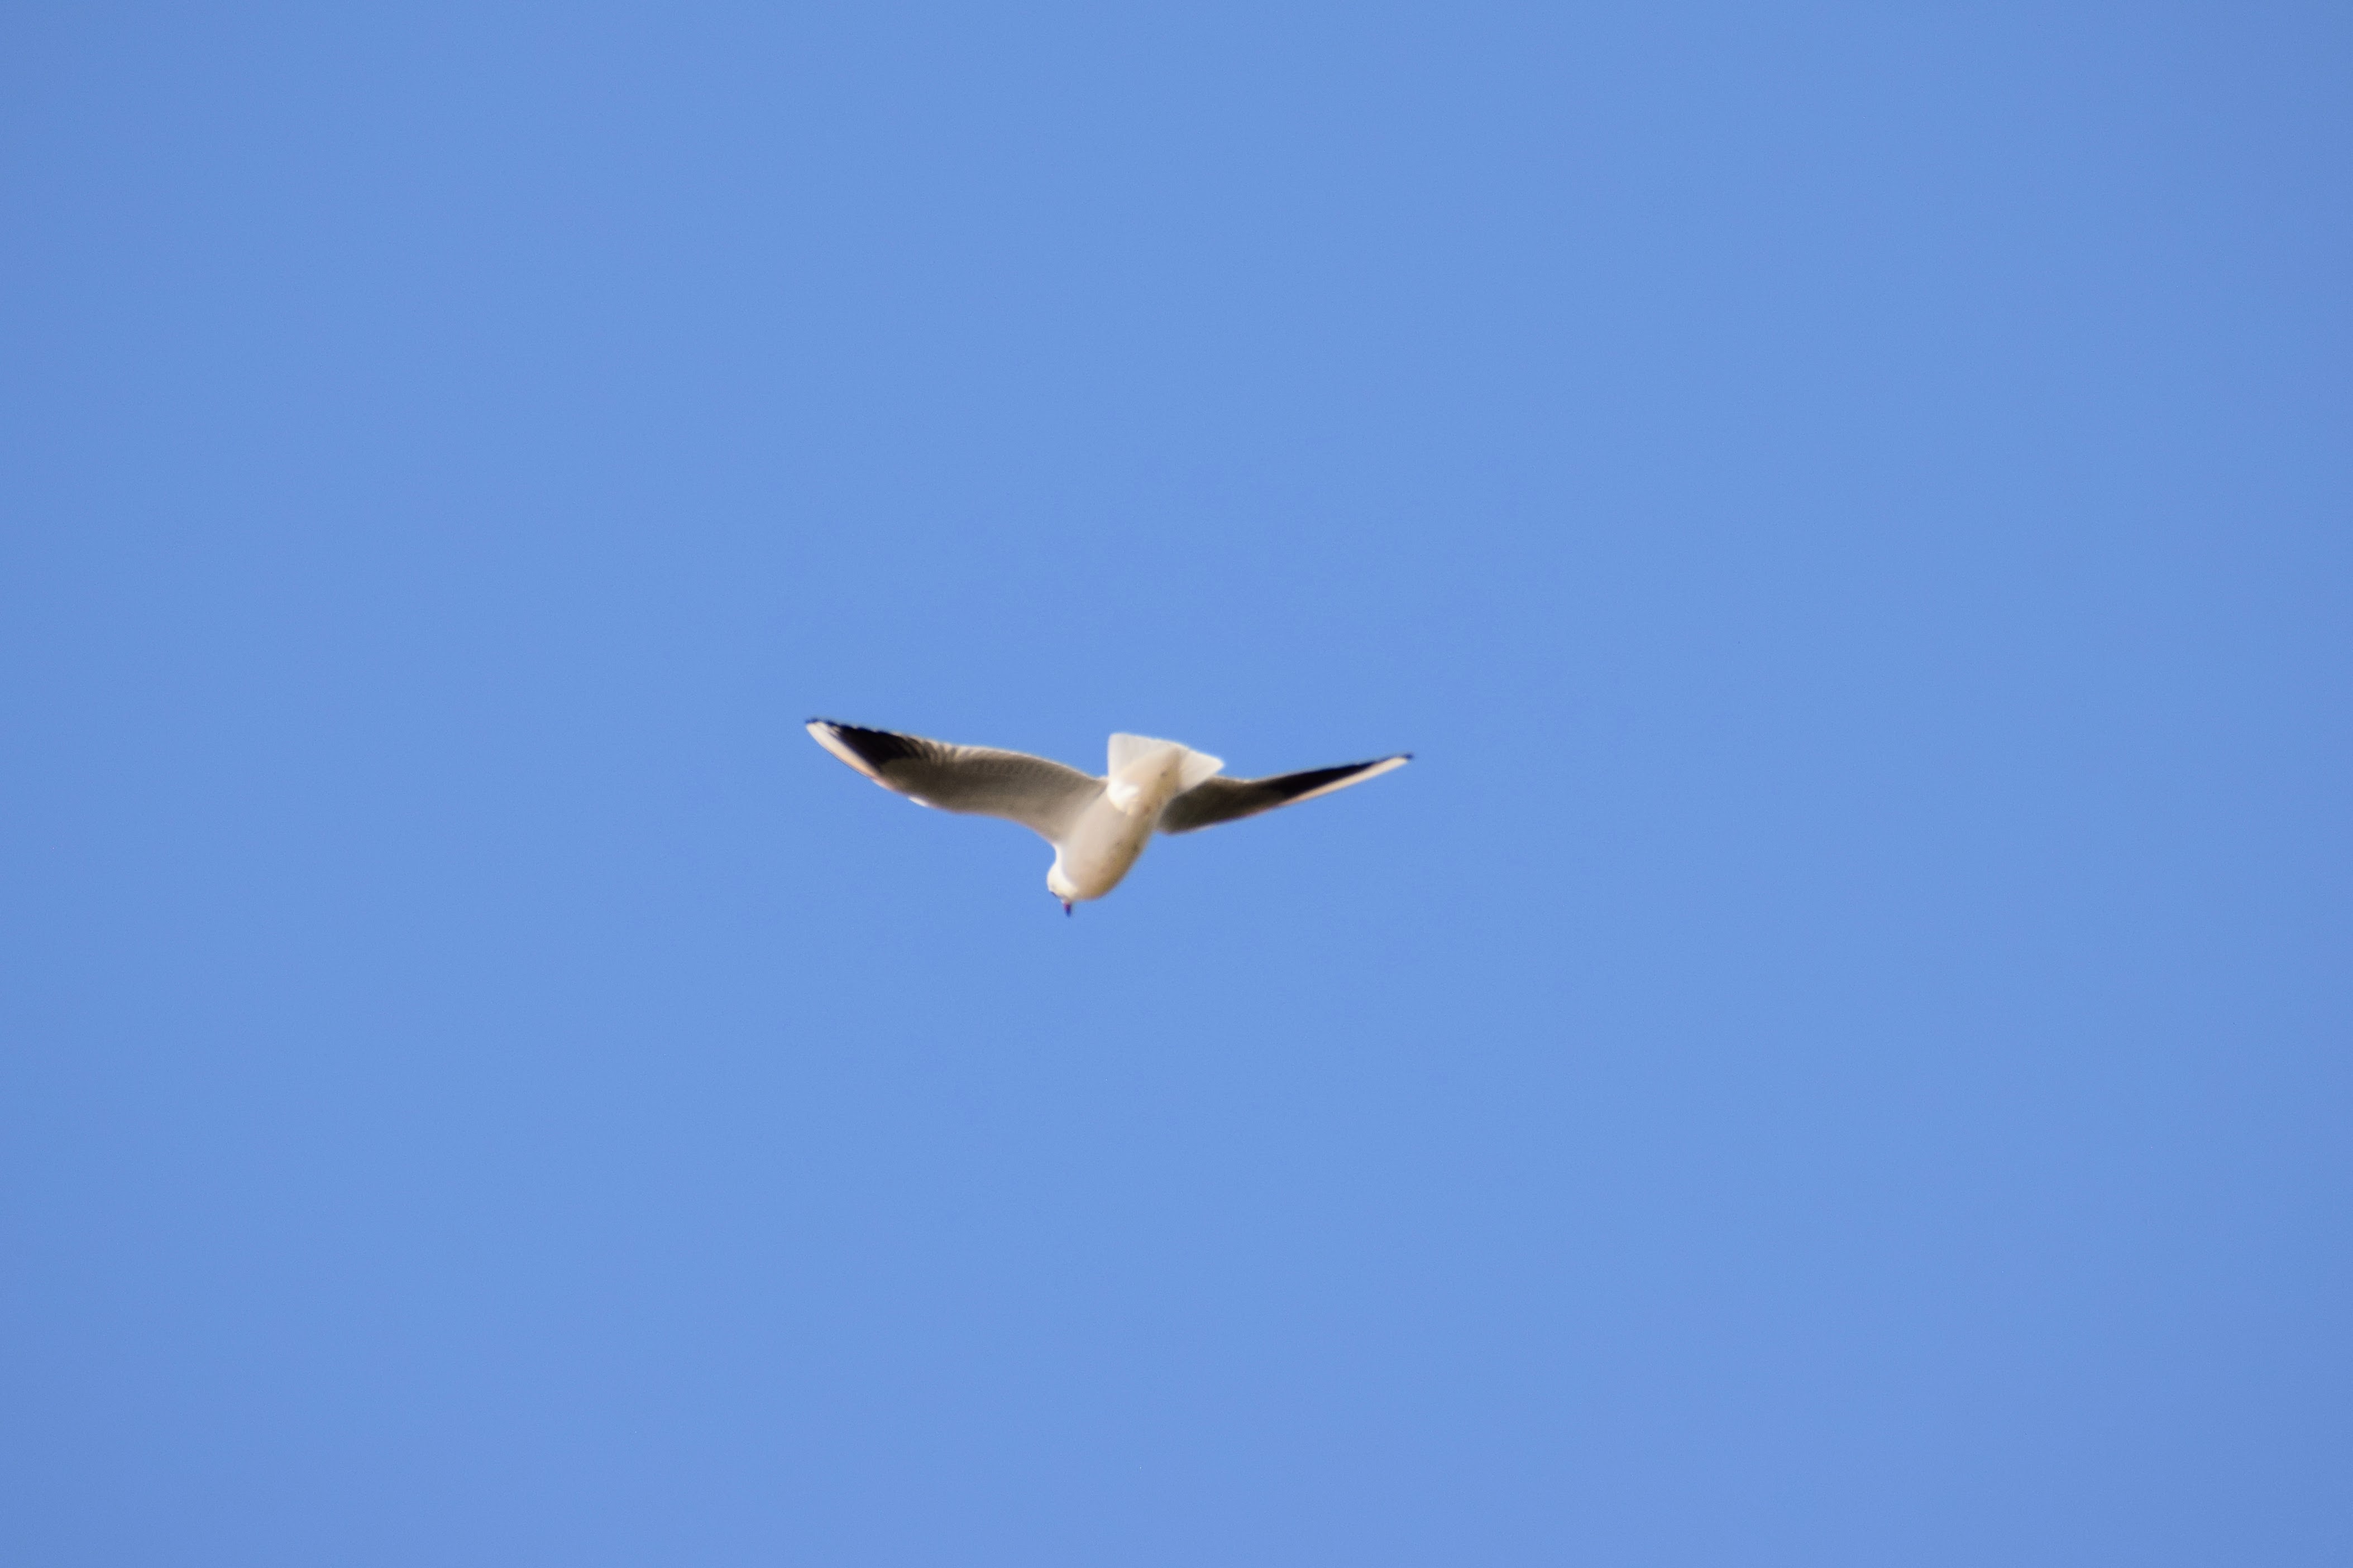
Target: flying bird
column 1098, row 826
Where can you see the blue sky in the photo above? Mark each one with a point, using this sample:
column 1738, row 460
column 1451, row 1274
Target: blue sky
column 1835, row 1053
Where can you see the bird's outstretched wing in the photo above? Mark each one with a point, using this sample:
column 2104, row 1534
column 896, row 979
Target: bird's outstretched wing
column 1223, row 800
column 1043, row 797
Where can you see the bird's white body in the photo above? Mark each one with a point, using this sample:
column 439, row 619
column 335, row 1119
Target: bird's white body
column 1109, row 835
column 1098, row 826
column 1103, row 844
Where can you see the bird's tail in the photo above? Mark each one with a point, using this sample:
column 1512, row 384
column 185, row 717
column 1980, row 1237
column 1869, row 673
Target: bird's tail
column 1192, row 766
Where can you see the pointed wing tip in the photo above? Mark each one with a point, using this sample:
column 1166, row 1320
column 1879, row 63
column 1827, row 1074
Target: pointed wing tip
column 1352, row 774
column 1341, row 777
column 827, row 732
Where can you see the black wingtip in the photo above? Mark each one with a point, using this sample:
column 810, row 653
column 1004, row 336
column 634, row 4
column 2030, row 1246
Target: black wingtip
column 873, row 748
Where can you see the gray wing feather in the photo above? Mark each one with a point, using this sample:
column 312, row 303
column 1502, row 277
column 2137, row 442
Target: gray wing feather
column 1225, row 800
column 1044, row 797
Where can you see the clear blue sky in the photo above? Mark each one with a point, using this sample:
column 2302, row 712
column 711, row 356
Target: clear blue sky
column 1839, row 1052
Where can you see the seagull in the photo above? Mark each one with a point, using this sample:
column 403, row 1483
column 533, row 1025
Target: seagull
column 1098, row 826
